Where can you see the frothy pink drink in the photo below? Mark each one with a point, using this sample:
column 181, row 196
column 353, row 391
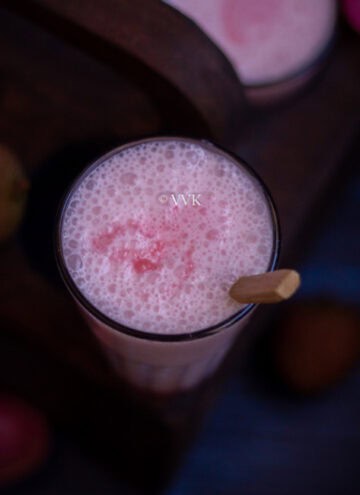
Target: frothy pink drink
column 269, row 42
column 152, row 236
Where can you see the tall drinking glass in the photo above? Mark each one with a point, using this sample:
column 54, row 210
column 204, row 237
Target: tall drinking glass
column 150, row 238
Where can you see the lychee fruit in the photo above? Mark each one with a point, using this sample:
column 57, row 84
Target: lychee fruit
column 14, row 187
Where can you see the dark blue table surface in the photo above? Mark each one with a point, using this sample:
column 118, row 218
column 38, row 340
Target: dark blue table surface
column 259, row 442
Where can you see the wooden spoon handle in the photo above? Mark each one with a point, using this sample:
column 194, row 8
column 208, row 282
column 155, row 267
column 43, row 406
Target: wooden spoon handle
column 269, row 287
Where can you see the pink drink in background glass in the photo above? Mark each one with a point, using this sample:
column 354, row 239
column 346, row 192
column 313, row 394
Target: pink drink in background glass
column 151, row 238
column 274, row 45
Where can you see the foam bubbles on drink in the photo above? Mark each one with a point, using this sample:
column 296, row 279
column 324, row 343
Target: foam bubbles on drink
column 149, row 256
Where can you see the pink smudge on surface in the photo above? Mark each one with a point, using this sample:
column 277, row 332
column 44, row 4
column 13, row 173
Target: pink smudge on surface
column 132, row 242
column 142, row 265
column 145, row 246
column 102, row 241
column 236, row 15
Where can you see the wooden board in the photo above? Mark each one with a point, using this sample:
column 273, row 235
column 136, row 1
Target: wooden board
column 187, row 77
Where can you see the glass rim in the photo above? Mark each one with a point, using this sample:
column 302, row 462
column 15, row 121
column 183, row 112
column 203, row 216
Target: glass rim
column 311, row 66
column 142, row 334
